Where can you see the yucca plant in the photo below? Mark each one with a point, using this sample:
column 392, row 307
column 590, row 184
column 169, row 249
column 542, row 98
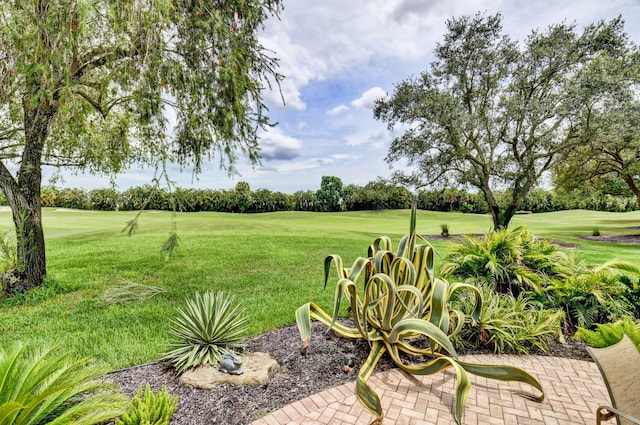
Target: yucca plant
column 149, row 409
column 403, row 309
column 208, row 326
column 47, row 386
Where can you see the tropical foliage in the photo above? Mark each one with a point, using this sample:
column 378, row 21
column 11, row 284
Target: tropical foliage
column 590, row 294
column 607, row 334
column 46, row 386
column 509, row 260
column 509, row 324
column 208, row 326
column 403, row 309
column 149, row 409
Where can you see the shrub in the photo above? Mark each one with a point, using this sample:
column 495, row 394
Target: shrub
column 509, row 324
column 509, row 260
column 73, row 198
column 48, row 196
column 403, row 306
column 304, row 200
column 8, row 253
column 47, row 386
column 105, row 199
column 206, row 328
column 607, row 334
column 149, row 409
column 591, row 294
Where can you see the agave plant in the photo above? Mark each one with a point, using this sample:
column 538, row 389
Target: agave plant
column 402, row 306
column 48, row 387
column 208, row 327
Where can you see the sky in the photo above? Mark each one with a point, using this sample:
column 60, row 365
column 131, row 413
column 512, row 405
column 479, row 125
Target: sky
column 338, row 57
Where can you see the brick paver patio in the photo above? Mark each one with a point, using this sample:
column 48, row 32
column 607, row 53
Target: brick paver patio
column 573, row 389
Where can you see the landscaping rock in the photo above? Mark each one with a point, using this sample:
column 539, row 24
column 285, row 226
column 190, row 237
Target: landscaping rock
column 256, row 372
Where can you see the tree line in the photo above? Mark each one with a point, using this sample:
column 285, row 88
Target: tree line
column 332, row 196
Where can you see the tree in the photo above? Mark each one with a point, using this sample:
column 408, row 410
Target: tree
column 612, row 155
column 91, row 85
column 329, row 196
column 491, row 115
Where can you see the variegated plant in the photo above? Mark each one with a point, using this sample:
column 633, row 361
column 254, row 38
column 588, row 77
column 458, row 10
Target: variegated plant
column 401, row 303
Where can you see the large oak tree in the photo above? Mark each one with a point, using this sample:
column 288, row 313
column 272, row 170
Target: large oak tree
column 90, row 83
column 494, row 114
column 612, row 155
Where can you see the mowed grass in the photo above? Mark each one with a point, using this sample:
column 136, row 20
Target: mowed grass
column 272, row 263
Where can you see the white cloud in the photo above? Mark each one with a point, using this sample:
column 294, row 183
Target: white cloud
column 274, row 144
column 338, row 110
column 368, row 98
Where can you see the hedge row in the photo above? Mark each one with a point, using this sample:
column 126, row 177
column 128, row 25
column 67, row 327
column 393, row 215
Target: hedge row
column 374, row 195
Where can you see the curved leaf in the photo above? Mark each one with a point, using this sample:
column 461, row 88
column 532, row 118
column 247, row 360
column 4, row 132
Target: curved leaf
column 506, row 373
column 365, row 393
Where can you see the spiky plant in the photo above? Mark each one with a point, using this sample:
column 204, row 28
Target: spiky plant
column 403, row 309
column 208, row 326
column 46, row 386
column 509, row 324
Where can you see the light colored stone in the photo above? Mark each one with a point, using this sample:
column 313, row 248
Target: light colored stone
column 256, row 372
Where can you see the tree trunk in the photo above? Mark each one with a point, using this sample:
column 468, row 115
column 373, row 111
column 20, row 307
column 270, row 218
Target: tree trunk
column 633, row 187
column 23, row 194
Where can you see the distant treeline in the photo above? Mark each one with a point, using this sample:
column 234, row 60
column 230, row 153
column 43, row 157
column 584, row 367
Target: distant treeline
column 332, row 196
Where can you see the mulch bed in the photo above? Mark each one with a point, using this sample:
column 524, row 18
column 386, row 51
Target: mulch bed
column 297, row 377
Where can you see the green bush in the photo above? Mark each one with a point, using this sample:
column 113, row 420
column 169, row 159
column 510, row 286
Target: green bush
column 591, row 294
column 510, row 261
column 206, row 328
column 145, row 197
column 105, row 199
column 48, row 196
column 48, row 386
column 304, row 200
column 509, row 324
column 149, row 408
column 73, row 198
column 607, row 334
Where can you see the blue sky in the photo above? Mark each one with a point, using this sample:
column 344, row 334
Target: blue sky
column 339, row 56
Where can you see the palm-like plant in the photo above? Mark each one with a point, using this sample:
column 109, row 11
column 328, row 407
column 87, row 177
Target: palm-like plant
column 402, row 303
column 208, row 327
column 591, row 294
column 510, row 260
column 48, row 387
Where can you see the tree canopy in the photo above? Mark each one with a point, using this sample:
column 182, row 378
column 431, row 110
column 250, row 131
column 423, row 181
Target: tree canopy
column 495, row 114
column 99, row 85
column 612, row 155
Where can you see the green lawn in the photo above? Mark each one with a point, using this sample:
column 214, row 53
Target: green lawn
column 272, row 262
